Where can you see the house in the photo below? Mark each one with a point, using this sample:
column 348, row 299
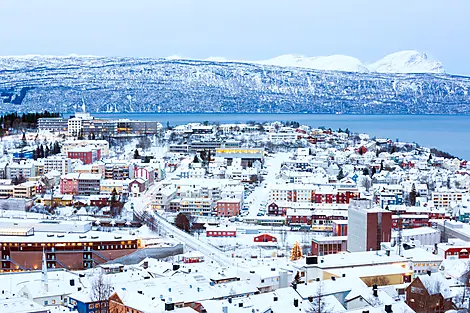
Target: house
column 20, row 304
column 430, row 292
column 228, row 207
column 265, row 238
column 193, row 257
column 83, row 303
column 137, row 186
column 221, row 232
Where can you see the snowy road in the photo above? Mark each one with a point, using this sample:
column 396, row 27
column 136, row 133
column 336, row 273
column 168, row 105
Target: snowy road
column 142, row 208
column 261, row 193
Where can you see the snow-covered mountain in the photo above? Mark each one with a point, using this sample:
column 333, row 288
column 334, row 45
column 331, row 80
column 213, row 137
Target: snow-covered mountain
column 399, row 62
column 407, row 62
column 106, row 84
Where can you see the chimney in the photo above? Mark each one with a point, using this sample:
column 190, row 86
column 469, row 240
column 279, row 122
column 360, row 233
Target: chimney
column 146, row 264
column 374, row 290
column 296, row 303
column 388, row 308
column 310, row 299
column 275, row 299
column 387, row 252
column 333, row 278
column 428, row 272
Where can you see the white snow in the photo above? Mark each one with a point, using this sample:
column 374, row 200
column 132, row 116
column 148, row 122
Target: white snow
column 408, row 61
column 327, row 63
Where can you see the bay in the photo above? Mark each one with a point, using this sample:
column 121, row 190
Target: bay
column 449, row 133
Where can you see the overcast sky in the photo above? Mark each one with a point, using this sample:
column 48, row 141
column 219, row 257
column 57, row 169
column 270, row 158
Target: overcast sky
column 239, row 29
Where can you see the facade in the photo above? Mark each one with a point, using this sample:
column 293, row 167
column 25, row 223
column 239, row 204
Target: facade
column 99, row 128
column 199, row 206
column 53, row 124
column 228, row 207
column 26, row 190
column 429, row 293
column 116, row 171
column 443, row 199
column 23, row 170
column 265, row 238
column 368, row 226
column 80, row 184
column 56, row 163
column 329, row 245
column 248, row 156
column 99, row 144
column 221, row 232
column 87, row 155
column 133, row 127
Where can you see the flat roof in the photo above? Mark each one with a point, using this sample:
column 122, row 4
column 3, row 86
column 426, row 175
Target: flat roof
column 367, row 271
column 90, row 236
column 366, row 258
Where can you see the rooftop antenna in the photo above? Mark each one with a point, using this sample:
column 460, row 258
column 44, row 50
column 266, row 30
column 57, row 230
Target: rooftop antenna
column 400, row 234
column 44, row 279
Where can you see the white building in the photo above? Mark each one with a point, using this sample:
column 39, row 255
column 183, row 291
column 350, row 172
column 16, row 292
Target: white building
column 20, row 170
column 60, row 164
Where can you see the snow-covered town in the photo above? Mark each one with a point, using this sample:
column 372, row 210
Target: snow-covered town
column 101, row 215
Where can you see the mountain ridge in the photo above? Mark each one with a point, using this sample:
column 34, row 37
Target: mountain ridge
column 105, row 84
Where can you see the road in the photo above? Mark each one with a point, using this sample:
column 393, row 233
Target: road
column 142, row 209
column 261, row 193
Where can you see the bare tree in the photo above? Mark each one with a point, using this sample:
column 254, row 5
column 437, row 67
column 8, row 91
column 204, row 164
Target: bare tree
column 100, row 292
column 463, row 298
column 366, row 182
column 317, row 302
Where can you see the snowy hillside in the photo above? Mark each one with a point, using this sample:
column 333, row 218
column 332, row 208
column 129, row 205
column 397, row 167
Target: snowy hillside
column 329, row 63
column 108, row 84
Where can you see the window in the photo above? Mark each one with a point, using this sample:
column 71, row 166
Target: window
column 90, row 306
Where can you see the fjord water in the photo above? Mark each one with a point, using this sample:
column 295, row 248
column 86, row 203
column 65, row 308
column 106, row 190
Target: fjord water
column 449, row 133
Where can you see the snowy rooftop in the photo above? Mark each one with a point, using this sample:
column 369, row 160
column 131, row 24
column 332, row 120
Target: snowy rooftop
column 357, row 259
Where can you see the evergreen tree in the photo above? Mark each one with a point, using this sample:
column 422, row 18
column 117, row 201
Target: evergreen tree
column 296, row 252
column 340, row 174
column 381, row 165
column 196, row 159
column 136, row 154
column 365, row 172
column 47, row 152
column 413, row 195
column 24, row 143
column 374, row 171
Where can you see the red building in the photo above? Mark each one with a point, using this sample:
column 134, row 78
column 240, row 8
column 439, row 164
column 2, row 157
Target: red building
column 85, row 154
column 340, row 228
column 299, row 216
column 422, row 295
column 228, row 207
column 410, row 221
column 265, row 238
column 99, row 200
column 221, row 232
column 368, row 226
column 329, row 245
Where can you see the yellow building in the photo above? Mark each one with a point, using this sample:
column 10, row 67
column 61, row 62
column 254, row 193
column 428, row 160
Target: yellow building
column 382, row 275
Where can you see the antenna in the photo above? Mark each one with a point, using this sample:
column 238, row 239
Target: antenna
column 400, row 234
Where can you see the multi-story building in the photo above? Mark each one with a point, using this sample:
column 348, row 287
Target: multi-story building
column 53, row 124
column 100, row 144
column 89, row 184
column 116, row 171
column 75, row 124
column 199, row 206
column 132, row 127
column 228, row 207
column 163, row 198
column 6, row 189
column 443, row 198
column 99, row 128
column 108, row 185
column 87, row 155
column 26, row 190
column 70, row 245
column 60, row 164
column 80, row 184
column 368, row 226
column 22, row 170
column 145, row 172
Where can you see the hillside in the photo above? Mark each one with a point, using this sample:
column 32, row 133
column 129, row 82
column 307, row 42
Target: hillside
column 64, row 84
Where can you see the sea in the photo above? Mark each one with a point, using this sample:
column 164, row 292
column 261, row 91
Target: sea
column 449, row 133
